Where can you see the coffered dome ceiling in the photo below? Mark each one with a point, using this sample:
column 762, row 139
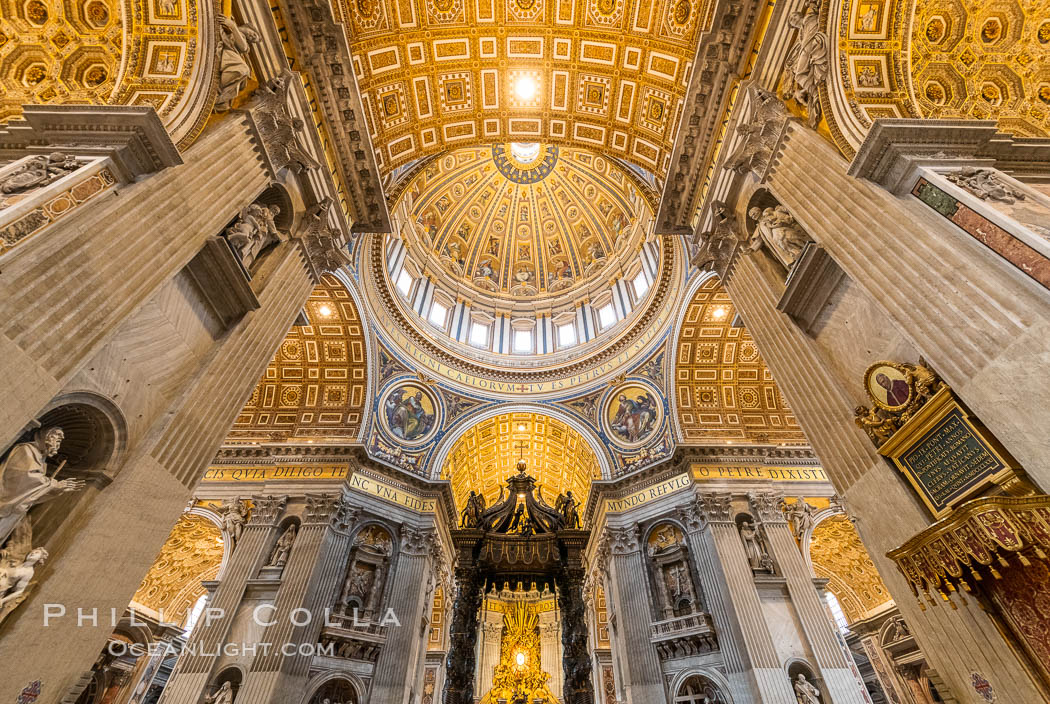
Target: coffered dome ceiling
column 523, row 221
column 608, row 74
column 485, row 455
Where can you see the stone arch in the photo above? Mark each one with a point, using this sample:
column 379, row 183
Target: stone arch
column 159, row 53
column 692, row 685
column 723, row 390
column 326, row 684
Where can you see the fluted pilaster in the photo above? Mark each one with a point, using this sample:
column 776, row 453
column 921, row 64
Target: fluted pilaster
column 629, row 598
column 397, row 664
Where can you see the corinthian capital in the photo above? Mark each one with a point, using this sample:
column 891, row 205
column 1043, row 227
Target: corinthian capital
column 765, row 505
column 694, row 514
column 717, row 506
column 417, row 541
column 318, row 508
column 623, row 540
column 266, row 509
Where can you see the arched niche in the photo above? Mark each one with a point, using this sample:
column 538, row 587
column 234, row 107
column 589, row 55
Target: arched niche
column 699, row 689
column 274, row 566
column 671, row 570
column 337, row 690
column 233, row 674
column 368, row 567
column 95, row 436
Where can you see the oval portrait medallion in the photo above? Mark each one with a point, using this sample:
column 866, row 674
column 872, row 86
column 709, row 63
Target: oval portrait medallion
column 409, row 413
column 633, row 413
column 888, row 386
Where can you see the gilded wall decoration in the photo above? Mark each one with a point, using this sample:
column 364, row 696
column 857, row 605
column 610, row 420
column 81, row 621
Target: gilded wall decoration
column 633, row 413
column 191, row 555
column 940, row 59
column 838, row 555
column 723, row 388
column 136, row 52
column 436, row 74
column 315, row 386
column 486, row 454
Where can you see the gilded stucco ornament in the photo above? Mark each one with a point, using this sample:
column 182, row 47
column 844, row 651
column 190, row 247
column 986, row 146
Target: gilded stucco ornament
column 897, row 391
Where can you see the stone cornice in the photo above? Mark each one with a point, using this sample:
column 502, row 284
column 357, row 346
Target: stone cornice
column 895, row 148
column 666, row 285
column 133, row 137
column 719, row 59
column 323, row 52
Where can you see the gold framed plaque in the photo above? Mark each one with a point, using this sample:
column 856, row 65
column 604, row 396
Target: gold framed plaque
column 947, row 455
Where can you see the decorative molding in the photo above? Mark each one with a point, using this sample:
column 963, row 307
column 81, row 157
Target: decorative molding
column 133, row 138
column 895, row 149
column 418, row 541
column 319, row 508
column 624, row 540
column 718, row 62
column 766, row 506
column 324, row 54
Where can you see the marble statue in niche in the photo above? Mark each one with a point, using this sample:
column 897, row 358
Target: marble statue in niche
column 676, row 593
column 224, row 695
column 779, row 232
column 283, row 548
column 755, row 548
column 234, row 44
column 253, row 231
column 805, row 692
column 806, row 67
column 24, row 481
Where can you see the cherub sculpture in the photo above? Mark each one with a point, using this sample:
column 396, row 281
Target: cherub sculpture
column 18, row 563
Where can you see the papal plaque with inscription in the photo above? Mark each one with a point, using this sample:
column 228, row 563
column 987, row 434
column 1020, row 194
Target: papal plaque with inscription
column 946, row 456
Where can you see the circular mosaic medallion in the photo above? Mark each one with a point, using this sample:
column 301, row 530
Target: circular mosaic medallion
column 633, row 414
column 409, row 414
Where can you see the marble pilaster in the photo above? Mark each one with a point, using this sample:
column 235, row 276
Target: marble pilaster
column 839, row 678
column 629, row 598
column 396, row 667
column 821, row 380
column 310, row 585
column 768, row 680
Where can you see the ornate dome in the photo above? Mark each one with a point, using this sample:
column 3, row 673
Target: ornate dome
column 523, row 222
